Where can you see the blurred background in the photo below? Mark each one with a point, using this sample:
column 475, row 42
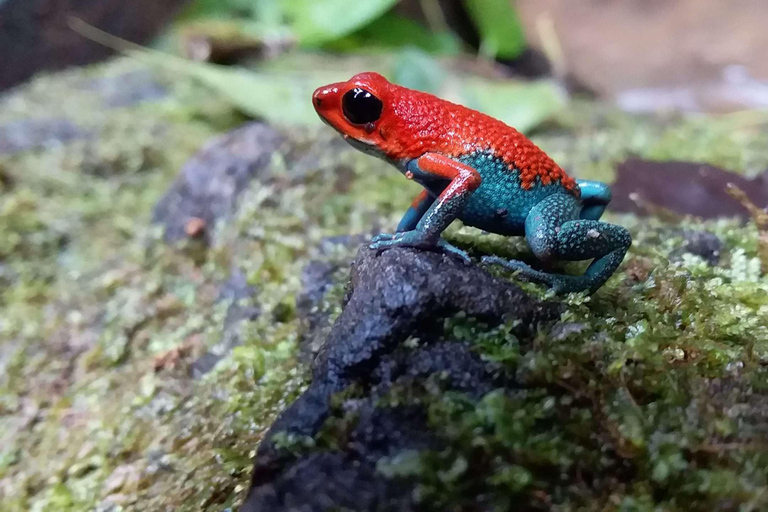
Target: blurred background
column 644, row 55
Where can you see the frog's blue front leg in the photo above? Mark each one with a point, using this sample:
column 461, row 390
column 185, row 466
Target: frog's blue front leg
column 555, row 230
column 417, row 210
column 462, row 181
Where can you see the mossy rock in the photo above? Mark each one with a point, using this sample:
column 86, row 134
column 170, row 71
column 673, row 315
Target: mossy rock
column 141, row 375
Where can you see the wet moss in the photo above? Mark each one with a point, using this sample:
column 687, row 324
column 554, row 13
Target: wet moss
column 647, row 396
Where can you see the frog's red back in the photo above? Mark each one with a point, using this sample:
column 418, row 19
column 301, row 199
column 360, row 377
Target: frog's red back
column 422, row 122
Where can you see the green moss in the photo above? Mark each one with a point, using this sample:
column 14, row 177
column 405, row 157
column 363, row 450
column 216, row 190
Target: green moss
column 629, row 400
column 630, row 403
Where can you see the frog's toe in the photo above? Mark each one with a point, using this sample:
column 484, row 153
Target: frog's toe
column 452, row 249
column 382, row 236
column 403, row 239
column 378, row 245
column 523, row 269
column 558, row 283
column 510, row 264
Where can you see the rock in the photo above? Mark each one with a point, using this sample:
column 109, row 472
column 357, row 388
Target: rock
column 127, row 89
column 704, row 244
column 393, row 296
column 316, row 279
column 238, row 293
column 211, row 182
column 329, row 481
column 399, row 293
column 689, row 188
column 31, row 134
column 458, row 366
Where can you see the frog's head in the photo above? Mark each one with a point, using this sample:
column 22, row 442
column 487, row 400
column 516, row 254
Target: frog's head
column 355, row 109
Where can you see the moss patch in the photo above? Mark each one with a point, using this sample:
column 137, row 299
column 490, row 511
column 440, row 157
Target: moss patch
column 655, row 384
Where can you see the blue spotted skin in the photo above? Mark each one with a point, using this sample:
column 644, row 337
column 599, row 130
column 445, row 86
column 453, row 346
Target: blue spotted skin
column 557, row 224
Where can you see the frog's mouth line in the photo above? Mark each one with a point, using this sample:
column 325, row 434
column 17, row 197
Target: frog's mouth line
column 365, row 147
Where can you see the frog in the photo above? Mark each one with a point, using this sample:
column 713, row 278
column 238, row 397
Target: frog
column 477, row 169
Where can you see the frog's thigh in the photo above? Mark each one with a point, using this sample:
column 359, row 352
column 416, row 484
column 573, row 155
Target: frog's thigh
column 555, row 231
column 544, row 222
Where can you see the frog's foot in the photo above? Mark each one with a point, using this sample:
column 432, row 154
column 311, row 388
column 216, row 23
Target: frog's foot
column 414, row 239
column 559, row 283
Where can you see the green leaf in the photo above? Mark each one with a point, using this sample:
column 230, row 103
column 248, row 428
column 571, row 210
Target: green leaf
column 316, row 22
column 418, row 70
column 225, row 9
column 283, row 98
column 501, row 32
column 394, row 31
column 520, row 104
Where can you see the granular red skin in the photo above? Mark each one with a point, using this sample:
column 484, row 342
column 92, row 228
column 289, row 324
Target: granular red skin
column 425, row 123
column 413, row 123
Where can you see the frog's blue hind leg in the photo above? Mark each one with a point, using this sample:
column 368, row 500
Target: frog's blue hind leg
column 595, row 196
column 555, row 230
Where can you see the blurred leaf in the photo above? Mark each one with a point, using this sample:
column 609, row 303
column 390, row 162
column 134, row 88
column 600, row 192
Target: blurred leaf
column 501, row 32
column 520, row 104
column 316, row 22
column 394, row 31
column 278, row 97
column 418, row 70
column 313, row 22
column 268, row 11
column 219, row 9
column 283, row 98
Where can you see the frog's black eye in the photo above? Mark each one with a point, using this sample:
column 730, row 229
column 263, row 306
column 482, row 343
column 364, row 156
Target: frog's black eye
column 361, row 107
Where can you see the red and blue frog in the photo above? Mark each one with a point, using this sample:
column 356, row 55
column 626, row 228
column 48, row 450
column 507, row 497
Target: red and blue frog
column 481, row 171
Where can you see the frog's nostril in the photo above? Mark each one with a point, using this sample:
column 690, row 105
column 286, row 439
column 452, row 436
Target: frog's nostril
column 318, row 102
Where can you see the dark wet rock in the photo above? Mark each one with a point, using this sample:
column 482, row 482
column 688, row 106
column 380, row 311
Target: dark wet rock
column 686, row 188
column 29, row 134
column 387, row 431
column 347, row 479
column 704, row 244
column 211, row 182
column 330, row 481
column 458, row 366
column 237, row 290
column 392, row 296
column 397, row 293
column 316, row 280
column 335, row 477
column 239, row 294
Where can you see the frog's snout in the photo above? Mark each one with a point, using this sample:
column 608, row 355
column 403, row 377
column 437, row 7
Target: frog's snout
column 324, row 99
column 317, row 98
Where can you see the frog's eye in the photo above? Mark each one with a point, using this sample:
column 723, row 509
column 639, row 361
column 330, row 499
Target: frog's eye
column 360, row 106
